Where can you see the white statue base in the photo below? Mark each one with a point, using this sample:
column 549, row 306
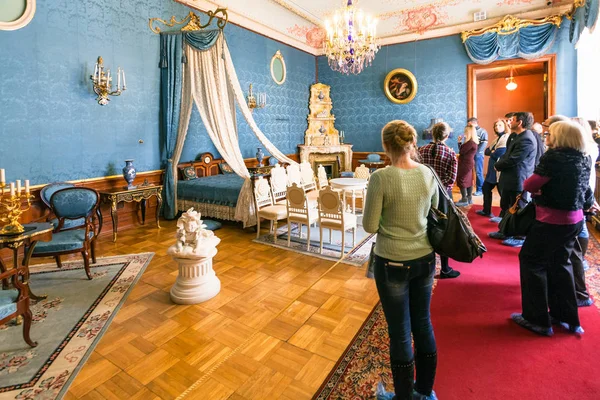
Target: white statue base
column 194, row 252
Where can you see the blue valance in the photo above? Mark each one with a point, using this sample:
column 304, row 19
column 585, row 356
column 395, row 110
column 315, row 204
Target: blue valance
column 527, row 42
column 201, row 40
column 583, row 17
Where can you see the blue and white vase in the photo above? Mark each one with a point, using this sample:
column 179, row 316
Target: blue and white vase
column 129, row 173
column 260, row 156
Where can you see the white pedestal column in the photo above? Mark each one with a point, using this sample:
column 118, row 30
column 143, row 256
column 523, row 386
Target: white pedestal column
column 197, row 281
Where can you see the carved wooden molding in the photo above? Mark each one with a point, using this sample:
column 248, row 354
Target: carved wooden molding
column 23, row 20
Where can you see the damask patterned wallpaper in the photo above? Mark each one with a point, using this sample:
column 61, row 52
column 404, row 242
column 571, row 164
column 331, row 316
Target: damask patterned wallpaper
column 439, row 65
column 283, row 120
column 51, row 128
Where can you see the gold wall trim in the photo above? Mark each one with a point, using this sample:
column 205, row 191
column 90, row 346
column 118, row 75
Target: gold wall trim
column 192, row 20
column 510, row 24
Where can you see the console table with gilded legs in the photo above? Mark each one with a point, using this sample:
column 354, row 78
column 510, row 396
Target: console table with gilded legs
column 139, row 194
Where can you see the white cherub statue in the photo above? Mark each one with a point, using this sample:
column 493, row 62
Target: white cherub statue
column 191, row 233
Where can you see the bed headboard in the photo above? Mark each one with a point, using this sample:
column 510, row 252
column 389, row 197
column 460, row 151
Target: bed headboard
column 206, row 165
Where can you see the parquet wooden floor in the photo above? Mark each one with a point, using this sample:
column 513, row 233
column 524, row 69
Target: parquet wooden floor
column 275, row 330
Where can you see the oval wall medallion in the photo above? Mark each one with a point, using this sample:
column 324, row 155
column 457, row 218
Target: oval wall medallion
column 15, row 14
column 278, row 70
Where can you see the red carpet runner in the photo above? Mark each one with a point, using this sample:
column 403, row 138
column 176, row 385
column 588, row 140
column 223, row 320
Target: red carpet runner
column 482, row 353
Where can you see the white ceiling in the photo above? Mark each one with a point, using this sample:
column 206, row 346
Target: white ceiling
column 299, row 22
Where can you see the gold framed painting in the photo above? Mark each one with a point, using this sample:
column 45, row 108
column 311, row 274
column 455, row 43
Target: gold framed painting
column 400, row 86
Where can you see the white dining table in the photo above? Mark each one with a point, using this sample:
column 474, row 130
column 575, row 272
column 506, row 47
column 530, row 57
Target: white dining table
column 351, row 186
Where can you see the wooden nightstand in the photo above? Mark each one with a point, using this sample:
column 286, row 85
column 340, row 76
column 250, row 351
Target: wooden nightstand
column 140, row 194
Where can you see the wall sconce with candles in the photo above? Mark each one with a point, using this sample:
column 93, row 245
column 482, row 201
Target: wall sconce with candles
column 10, row 207
column 103, row 82
column 256, row 101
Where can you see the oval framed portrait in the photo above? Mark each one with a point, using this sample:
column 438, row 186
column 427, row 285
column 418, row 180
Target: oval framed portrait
column 400, row 86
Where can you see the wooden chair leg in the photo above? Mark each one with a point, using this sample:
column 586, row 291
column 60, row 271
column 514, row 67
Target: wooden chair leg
column 257, row 227
column 289, row 232
column 27, row 318
column 353, row 236
column 58, row 262
column 308, row 236
column 86, row 264
column 275, row 231
column 93, row 250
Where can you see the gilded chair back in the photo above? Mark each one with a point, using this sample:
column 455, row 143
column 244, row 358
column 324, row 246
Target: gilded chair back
column 293, row 175
column 278, row 183
column 322, row 177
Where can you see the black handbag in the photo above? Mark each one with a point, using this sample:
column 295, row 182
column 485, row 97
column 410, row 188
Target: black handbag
column 450, row 233
column 518, row 219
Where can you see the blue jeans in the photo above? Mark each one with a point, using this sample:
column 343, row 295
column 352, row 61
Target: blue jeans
column 585, row 234
column 478, row 171
column 405, row 295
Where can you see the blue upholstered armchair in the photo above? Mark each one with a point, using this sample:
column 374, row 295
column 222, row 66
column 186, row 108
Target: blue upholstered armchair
column 15, row 302
column 46, row 193
column 72, row 204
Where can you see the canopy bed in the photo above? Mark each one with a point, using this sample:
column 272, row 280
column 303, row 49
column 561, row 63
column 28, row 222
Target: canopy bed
column 196, row 69
column 210, row 186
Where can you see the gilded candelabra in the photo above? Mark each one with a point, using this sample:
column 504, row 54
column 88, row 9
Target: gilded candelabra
column 256, row 101
column 102, row 80
column 11, row 206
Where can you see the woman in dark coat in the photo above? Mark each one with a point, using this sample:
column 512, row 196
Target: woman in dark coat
column 466, row 163
column 561, row 189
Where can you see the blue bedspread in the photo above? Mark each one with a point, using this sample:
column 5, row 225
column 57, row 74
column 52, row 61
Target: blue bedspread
column 222, row 189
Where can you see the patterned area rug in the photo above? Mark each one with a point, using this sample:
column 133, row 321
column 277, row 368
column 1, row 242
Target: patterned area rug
column 67, row 325
column 356, row 256
column 366, row 360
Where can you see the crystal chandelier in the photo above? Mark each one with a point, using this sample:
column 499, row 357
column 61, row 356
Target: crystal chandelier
column 350, row 44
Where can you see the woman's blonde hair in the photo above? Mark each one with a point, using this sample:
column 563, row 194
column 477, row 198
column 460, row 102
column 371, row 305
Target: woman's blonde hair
column 588, row 135
column 471, row 134
column 568, row 134
column 399, row 137
column 441, row 131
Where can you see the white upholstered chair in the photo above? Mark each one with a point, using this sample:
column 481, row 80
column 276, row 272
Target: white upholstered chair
column 332, row 216
column 322, row 181
column 361, row 172
column 279, row 184
column 299, row 211
column 265, row 208
column 293, row 175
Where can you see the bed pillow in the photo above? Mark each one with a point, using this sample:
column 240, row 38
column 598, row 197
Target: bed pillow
column 189, row 173
column 225, row 168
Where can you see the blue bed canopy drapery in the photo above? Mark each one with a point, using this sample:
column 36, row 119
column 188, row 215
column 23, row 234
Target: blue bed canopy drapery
column 529, row 39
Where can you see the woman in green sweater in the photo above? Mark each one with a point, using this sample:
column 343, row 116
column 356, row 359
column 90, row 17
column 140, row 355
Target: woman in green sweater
column 398, row 200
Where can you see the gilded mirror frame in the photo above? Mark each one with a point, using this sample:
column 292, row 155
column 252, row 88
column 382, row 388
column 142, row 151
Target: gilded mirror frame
column 23, row 20
column 278, row 56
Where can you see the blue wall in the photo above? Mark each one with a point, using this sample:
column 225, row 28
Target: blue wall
column 51, row 128
column 440, row 67
column 283, row 120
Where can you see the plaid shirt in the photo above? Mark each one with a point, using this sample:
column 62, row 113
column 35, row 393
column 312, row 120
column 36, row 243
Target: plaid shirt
column 444, row 162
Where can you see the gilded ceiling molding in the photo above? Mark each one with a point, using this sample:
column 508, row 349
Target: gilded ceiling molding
column 23, row 20
column 509, row 25
column 193, row 21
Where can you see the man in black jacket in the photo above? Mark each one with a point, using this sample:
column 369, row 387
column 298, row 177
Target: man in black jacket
column 516, row 165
